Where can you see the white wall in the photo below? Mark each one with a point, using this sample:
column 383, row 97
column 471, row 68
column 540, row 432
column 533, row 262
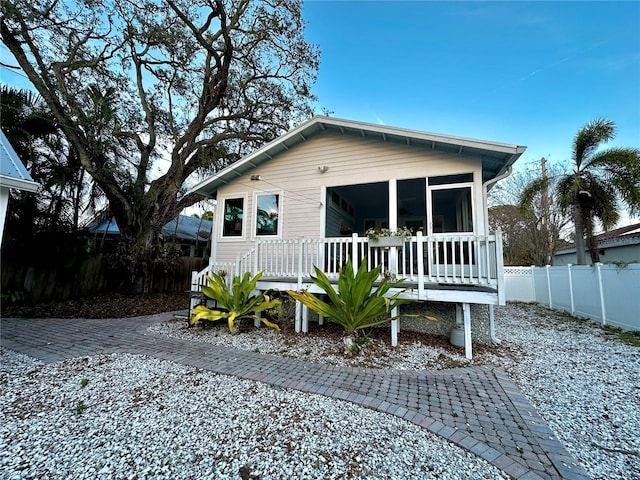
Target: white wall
column 351, row 160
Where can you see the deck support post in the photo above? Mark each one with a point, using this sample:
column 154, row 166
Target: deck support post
column 320, row 320
column 466, row 313
column 395, row 328
column 298, row 317
column 257, row 322
column 305, row 319
column 492, row 325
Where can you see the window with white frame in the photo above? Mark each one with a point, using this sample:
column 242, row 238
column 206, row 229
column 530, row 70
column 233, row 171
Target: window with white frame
column 267, row 214
column 232, row 223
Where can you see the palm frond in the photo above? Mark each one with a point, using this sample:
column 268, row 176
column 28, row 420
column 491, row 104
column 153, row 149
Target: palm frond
column 621, row 168
column 531, row 192
column 589, row 138
column 565, row 192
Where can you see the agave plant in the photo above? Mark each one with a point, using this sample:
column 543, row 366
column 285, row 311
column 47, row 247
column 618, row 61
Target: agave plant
column 237, row 303
column 358, row 303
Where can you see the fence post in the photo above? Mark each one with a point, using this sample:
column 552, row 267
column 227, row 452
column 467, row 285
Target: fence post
column 533, row 282
column 549, row 286
column 601, row 291
column 573, row 308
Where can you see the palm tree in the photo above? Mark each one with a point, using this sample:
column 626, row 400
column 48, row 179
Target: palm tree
column 600, row 183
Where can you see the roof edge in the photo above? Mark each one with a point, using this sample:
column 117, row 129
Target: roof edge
column 18, row 183
column 515, row 150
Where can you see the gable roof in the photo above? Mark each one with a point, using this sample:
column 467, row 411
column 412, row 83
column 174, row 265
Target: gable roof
column 496, row 157
column 12, row 171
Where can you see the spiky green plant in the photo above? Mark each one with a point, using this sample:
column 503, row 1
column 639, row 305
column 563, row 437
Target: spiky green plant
column 237, row 303
column 358, row 303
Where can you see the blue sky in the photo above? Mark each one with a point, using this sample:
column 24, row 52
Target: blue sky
column 526, row 73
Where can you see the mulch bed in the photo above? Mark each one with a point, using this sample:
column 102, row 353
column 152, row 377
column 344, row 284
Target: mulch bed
column 116, row 305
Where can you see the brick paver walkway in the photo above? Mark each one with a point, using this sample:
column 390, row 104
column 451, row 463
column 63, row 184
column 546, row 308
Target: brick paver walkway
column 477, row 408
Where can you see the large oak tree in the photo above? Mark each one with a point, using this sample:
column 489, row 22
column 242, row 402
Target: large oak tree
column 151, row 92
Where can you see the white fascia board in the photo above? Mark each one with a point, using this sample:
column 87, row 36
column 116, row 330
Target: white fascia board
column 18, row 183
column 426, row 136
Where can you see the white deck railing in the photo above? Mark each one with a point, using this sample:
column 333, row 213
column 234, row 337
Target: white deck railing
column 453, row 259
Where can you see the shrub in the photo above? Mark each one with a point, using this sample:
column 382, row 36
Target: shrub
column 357, row 303
column 237, row 303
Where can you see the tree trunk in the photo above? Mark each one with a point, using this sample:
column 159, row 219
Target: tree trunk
column 579, row 234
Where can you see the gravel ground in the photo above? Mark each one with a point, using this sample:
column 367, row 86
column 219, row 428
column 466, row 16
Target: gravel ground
column 144, row 418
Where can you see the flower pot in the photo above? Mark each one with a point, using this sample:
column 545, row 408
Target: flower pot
column 386, row 242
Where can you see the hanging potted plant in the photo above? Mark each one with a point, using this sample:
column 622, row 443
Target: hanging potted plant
column 388, row 238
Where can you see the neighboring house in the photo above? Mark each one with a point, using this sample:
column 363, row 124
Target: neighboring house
column 308, row 197
column 13, row 174
column 619, row 245
column 191, row 233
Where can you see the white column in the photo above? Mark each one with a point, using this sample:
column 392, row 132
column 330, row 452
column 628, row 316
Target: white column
column 466, row 313
column 305, row 319
column 393, row 223
column 393, row 251
column 394, row 328
column 298, row 321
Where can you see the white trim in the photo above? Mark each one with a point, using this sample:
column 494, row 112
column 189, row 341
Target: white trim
column 451, row 186
column 18, row 184
column 214, row 234
column 254, row 216
column 222, row 202
column 323, row 211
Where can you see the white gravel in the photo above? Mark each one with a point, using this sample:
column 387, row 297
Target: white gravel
column 153, row 419
column 146, row 418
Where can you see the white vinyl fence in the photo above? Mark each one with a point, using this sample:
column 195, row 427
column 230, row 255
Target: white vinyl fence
column 605, row 293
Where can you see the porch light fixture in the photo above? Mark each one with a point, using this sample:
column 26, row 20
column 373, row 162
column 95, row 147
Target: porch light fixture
column 323, row 168
column 255, row 178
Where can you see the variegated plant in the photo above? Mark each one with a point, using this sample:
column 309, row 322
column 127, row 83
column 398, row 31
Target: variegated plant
column 236, row 303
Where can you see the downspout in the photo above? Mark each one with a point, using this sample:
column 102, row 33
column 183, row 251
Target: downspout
column 485, row 195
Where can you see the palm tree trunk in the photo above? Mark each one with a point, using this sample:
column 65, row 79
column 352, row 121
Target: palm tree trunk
column 579, row 234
